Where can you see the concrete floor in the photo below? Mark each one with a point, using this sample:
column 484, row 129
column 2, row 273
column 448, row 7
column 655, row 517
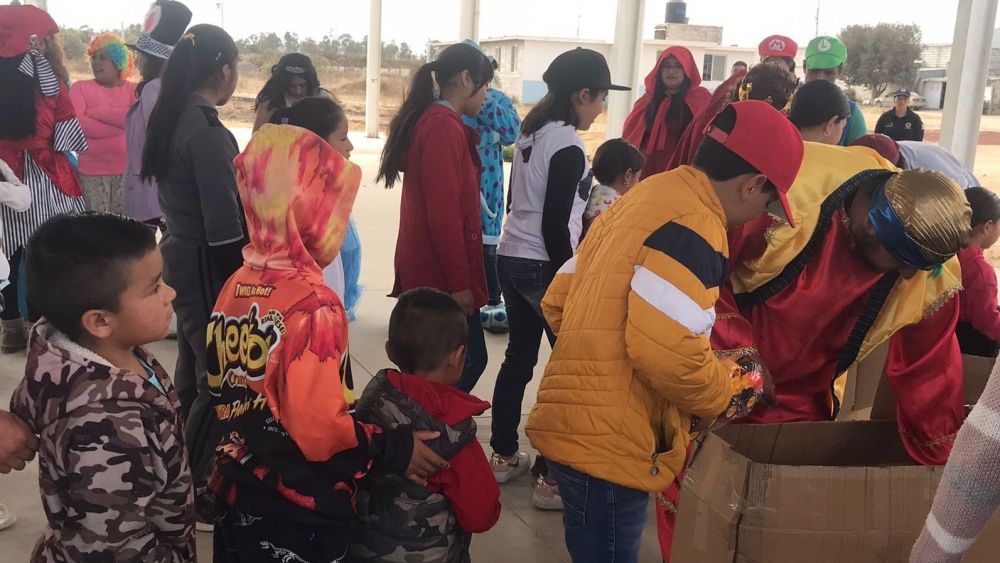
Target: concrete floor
column 523, row 534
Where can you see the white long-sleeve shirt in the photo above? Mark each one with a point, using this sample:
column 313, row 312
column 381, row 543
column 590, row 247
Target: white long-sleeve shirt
column 17, row 196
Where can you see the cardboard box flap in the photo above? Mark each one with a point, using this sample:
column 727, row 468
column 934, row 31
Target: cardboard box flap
column 825, row 492
column 832, row 444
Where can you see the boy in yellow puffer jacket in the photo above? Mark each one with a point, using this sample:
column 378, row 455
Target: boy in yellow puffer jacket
column 633, row 311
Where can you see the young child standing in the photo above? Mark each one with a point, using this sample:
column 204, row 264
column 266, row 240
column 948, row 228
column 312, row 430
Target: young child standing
column 498, row 125
column 433, row 523
column 978, row 318
column 277, row 339
column 617, row 167
column 550, row 183
column 113, row 469
column 633, row 309
column 440, row 240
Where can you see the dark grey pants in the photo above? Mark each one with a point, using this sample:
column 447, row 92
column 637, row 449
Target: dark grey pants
column 188, row 269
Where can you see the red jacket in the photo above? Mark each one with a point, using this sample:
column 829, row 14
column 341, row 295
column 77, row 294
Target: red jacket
column 468, row 482
column 978, row 301
column 440, row 241
column 660, row 144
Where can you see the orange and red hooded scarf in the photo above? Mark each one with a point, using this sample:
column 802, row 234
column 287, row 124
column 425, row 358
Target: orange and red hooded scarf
column 656, row 140
column 277, row 340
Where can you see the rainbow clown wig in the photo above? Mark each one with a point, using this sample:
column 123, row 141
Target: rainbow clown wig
column 118, row 52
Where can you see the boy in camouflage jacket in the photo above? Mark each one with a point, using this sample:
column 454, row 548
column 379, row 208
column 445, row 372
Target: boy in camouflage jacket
column 113, row 470
column 399, row 521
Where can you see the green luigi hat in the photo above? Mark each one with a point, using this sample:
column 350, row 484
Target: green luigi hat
column 825, row 52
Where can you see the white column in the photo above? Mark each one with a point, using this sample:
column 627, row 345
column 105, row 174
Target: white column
column 970, row 58
column 373, row 82
column 624, row 63
column 468, row 24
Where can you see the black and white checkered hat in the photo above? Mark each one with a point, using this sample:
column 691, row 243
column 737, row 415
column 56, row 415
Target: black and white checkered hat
column 162, row 28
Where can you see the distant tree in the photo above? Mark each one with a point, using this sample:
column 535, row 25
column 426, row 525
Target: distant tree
column 291, row 42
column 132, row 33
column 390, row 51
column 75, row 41
column 348, row 45
column 266, row 43
column 405, row 52
column 309, row 46
column 881, row 55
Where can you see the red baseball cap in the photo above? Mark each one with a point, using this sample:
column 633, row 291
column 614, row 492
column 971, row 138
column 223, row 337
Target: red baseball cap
column 777, row 46
column 18, row 24
column 768, row 141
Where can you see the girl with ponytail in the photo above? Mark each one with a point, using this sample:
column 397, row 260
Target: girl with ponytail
column 440, row 231
column 189, row 153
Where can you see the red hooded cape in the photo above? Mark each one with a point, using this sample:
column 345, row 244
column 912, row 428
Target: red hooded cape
column 660, row 145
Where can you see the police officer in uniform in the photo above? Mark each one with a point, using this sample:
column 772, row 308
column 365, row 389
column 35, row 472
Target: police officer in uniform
column 901, row 123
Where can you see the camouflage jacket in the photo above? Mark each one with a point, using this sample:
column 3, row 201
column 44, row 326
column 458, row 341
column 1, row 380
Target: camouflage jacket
column 401, row 522
column 113, row 471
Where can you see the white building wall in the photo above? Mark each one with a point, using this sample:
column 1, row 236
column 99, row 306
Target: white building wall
column 535, row 54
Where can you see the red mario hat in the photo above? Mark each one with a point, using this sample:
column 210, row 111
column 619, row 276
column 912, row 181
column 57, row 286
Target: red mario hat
column 777, row 46
column 768, row 141
column 19, row 25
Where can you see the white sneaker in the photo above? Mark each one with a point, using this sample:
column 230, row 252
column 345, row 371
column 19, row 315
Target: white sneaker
column 507, row 468
column 7, row 517
column 546, row 495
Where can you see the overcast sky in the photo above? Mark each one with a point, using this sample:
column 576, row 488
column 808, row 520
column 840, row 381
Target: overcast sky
column 744, row 22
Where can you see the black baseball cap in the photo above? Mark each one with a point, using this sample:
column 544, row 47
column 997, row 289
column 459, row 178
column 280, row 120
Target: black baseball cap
column 578, row 69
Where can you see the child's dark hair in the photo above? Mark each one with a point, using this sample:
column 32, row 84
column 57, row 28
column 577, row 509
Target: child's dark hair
column 718, row 162
column 449, row 64
column 425, row 326
column 817, row 102
column 553, row 106
column 319, row 114
column 985, row 205
column 196, row 61
column 741, row 63
column 150, row 69
column 289, row 67
column 768, row 83
column 77, row 263
column 790, row 61
column 613, row 158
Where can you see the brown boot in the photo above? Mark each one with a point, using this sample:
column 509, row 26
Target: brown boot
column 14, row 339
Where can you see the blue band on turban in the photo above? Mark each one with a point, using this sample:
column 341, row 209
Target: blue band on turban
column 892, row 234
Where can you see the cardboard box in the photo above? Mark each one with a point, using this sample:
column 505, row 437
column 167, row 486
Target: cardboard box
column 824, row 492
column 868, row 395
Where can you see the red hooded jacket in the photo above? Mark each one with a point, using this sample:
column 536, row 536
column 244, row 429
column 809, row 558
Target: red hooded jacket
column 660, row 144
column 468, row 481
column 440, row 240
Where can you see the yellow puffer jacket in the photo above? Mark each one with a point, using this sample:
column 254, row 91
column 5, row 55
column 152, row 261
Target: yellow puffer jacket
column 633, row 311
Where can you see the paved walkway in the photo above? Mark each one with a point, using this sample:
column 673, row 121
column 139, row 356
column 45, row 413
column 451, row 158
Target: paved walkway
column 523, row 534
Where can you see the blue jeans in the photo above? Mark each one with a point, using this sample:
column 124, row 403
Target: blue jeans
column 475, row 355
column 524, row 283
column 603, row 521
